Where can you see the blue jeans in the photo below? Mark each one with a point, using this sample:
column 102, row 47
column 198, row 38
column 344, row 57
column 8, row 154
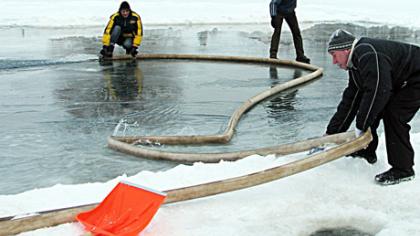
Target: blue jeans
column 116, row 38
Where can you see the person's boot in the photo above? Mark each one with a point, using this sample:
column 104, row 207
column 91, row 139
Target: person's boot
column 273, row 54
column 303, row 59
column 369, row 157
column 394, row 176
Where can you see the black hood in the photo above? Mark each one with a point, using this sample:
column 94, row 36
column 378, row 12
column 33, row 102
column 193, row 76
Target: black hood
column 124, row 5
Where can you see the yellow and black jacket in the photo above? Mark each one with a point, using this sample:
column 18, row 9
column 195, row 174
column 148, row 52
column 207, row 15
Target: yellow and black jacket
column 131, row 27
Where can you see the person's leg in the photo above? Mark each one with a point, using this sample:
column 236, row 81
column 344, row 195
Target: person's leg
column 396, row 118
column 292, row 21
column 115, row 34
column 398, row 113
column 127, row 44
column 275, row 39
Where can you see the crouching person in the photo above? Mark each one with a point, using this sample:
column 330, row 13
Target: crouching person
column 125, row 29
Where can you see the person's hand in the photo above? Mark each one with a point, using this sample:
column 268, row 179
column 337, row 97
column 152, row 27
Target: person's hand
column 133, row 51
column 104, row 50
column 358, row 132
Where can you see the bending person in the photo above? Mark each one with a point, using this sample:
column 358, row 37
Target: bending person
column 384, row 84
column 125, row 29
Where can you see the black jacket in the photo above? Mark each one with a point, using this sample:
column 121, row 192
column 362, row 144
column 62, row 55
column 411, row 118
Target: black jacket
column 282, row 7
column 131, row 27
column 377, row 70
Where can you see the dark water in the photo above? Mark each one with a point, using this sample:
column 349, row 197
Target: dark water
column 59, row 104
column 340, row 232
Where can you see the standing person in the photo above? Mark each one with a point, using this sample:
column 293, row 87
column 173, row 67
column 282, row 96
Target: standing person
column 125, row 29
column 384, row 83
column 285, row 9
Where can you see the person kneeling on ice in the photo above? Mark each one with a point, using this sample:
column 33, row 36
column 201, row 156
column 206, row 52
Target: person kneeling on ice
column 125, row 29
column 384, row 83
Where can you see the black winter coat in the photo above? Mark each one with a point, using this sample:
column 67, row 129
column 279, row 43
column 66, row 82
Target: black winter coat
column 377, row 70
column 282, row 7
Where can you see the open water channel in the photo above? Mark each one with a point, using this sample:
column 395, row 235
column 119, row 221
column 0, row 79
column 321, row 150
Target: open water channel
column 59, row 104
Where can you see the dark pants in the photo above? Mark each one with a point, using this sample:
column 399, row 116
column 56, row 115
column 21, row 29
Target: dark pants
column 399, row 111
column 291, row 20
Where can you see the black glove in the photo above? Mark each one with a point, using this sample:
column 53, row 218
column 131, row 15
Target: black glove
column 107, row 50
column 104, row 50
column 133, row 51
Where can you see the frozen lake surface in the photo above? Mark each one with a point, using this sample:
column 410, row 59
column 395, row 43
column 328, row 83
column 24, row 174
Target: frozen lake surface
column 59, row 104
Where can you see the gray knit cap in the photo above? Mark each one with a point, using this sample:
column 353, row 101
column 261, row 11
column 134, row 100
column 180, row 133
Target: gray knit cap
column 340, row 40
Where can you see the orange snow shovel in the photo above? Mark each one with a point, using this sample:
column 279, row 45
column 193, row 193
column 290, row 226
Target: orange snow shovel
column 126, row 211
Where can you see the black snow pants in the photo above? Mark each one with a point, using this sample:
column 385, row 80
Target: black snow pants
column 292, row 21
column 399, row 111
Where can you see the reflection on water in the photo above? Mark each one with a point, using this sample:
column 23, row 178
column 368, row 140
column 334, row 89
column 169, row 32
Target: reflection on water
column 282, row 115
column 282, row 104
column 345, row 231
column 123, row 81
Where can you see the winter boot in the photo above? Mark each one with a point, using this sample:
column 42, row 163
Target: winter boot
column 303, row 59
column 394, row 176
